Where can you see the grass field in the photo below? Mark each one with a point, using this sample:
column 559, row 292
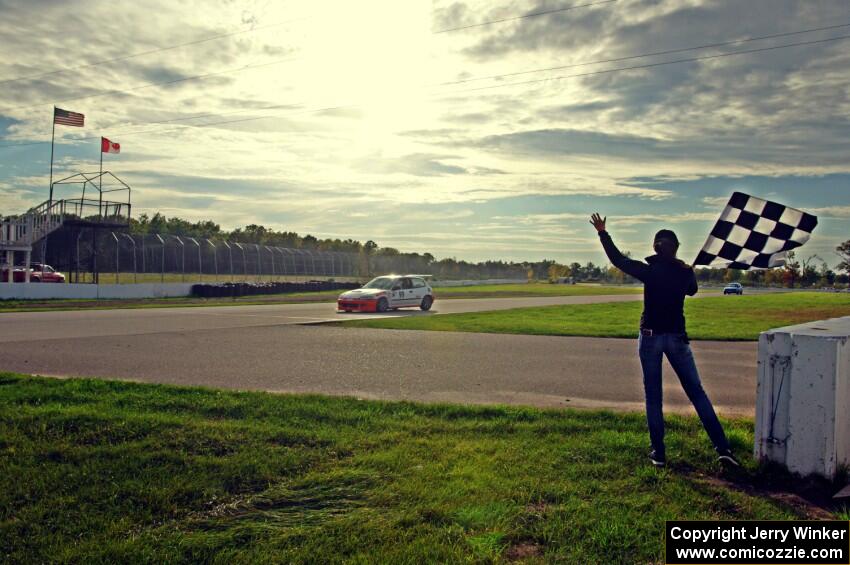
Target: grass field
column 475, row 291
column 103, row 471
column 718, row 318
column 532, row 289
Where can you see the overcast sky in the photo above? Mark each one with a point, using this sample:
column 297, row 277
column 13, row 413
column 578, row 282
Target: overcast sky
column 371, row 120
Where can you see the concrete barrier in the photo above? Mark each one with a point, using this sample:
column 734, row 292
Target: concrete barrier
column 206, row 290
column 44, row 291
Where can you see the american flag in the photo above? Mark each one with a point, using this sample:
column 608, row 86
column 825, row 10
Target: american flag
column 66, row 118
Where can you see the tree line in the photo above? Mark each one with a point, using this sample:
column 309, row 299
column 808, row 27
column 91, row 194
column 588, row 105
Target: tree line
column 374, row 258
column 812, row 271
column 798, row 272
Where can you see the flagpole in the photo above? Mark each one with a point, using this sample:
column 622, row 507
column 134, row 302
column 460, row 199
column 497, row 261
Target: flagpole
column 52, row 141
column 100, row 179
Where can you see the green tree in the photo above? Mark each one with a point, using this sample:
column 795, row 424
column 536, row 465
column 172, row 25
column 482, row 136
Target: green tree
column 809, row 274
column 576, row 271
column 791, row 271
column 557, row 271
column 843, row 251
column 826, row 275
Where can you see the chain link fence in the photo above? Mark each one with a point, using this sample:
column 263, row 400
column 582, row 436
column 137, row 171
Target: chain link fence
column 89, row 255
column 86, row 254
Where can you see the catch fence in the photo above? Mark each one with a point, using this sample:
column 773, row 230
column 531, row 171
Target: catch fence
column 86, row 253
column 107, row 256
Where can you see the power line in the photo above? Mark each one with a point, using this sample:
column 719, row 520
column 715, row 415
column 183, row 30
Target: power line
column 650, row 65
column 531, row 15
column 653, row 54
column 247, row 67
column 152, row 84
column 149, row 52
column 181, row 127
column 620, row 69
column 159, row 122
column 250, row 30
column 606, row 71
column 276, row 106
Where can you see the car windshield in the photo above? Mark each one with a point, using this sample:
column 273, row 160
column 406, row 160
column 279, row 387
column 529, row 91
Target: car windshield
column 384, row 283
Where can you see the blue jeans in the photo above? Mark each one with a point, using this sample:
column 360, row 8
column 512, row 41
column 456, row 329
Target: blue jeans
column 651, row 350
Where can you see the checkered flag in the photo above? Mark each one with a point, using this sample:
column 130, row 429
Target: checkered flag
column 755, row 233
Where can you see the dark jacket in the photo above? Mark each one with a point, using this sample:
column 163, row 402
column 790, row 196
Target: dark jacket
column 665, row 284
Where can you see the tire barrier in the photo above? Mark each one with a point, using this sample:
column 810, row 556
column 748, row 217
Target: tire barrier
column 251, row 289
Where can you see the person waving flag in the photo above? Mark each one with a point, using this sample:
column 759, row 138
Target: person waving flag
column 666, row 281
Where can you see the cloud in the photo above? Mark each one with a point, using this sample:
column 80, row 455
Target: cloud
column 623, row 220
column 538, row 33
column 568, row 112
column 574, row 142
column 832, row 212
column 715, row 201
column 418, row 164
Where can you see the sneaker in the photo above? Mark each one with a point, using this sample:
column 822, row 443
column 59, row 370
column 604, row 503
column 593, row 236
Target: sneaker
column 726, row 458
column 658, row 461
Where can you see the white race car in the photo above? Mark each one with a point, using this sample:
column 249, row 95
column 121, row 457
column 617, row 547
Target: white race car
column 389, row 292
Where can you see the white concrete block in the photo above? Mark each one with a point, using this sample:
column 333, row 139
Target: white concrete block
column 803, row 397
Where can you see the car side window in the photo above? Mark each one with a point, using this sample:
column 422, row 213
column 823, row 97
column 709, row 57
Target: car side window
column 418, row 283
column 405, row 283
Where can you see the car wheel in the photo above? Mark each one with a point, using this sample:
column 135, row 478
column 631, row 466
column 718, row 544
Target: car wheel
column 426, row 303
column 383, row 305
column 35, row 279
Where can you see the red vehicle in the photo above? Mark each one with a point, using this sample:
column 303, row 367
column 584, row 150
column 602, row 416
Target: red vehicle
column 38, row 273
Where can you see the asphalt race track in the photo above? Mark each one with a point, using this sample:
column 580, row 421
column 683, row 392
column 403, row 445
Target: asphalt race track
column 269, row 348
column 25, row 326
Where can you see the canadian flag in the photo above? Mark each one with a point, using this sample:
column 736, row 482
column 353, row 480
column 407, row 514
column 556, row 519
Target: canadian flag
column 107, row 146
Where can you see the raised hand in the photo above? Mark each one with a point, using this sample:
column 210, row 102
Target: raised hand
column 598, row 222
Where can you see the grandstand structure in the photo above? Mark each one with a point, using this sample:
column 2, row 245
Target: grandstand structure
column 85, row 208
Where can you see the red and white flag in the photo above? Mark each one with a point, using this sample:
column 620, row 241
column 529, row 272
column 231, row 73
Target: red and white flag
column 107, row 146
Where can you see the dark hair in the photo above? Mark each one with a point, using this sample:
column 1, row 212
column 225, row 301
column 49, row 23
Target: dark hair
column 667, row 234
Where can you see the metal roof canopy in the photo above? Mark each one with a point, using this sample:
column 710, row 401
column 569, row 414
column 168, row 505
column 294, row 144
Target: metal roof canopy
column 109, row 213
